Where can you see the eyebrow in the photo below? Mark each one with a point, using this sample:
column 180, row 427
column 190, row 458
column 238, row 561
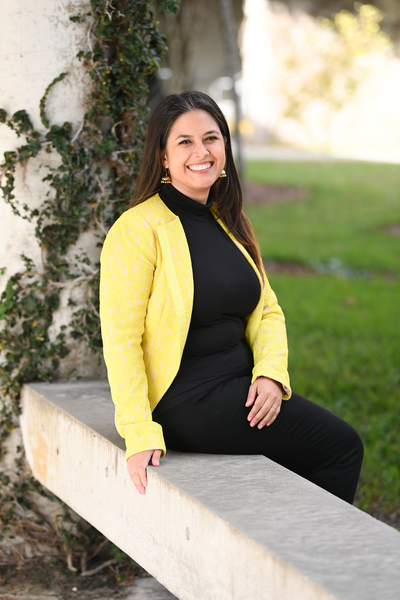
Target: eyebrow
column 183, row 135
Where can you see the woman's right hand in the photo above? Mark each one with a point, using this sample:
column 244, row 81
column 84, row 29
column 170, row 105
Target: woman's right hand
column 137, row 464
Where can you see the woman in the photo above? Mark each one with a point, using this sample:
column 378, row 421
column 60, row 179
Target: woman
column 194, row 339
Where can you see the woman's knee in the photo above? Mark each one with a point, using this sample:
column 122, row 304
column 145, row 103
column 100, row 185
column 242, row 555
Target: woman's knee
column 354, row 444
column 360, row 445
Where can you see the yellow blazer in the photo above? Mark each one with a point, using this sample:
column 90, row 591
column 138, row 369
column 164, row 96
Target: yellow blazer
column 146, row 299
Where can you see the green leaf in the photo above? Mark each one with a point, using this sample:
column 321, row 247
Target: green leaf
column 7, row 299
column 23, row 122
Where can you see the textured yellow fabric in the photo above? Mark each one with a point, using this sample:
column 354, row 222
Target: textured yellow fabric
column 146, row 299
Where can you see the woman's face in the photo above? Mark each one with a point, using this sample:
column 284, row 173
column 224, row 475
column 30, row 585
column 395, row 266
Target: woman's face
column 195, row 154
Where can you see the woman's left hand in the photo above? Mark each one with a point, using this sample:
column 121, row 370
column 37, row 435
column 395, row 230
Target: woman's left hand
column 265, row 395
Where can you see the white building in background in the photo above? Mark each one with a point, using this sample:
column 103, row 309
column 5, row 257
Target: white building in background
column 38, row 42
column 367, row 127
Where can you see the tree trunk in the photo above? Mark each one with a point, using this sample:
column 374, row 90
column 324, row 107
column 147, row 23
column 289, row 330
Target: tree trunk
column 234, row 67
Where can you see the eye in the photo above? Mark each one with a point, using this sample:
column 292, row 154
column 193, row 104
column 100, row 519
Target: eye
column 212, row 137
column 184, row 142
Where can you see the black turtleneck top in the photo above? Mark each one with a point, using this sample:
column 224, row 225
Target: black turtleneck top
column 226, row 290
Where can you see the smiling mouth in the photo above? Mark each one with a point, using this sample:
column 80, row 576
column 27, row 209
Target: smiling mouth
column 202, row 167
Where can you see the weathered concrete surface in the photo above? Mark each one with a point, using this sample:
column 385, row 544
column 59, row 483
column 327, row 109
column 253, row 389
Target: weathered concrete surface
column 209, row 527
column 38, row 42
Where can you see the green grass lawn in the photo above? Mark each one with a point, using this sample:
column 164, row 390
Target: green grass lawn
column 344, row 329
column 343, row 214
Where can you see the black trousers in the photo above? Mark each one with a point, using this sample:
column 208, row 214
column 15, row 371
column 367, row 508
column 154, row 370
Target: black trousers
column 305, row 438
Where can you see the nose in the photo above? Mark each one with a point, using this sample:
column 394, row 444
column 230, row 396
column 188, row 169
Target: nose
column 200, row 149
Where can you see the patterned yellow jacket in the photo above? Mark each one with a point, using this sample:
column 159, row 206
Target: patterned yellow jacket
column 146, row 298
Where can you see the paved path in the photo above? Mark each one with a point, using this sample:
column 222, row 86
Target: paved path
column 283, row 153
column 148, row 589
column 143, row 589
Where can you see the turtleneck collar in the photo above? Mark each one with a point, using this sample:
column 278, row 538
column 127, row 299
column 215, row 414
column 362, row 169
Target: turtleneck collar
column 183, row 206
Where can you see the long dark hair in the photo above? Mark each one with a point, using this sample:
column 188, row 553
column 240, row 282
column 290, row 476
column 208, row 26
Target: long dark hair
column 227, row 192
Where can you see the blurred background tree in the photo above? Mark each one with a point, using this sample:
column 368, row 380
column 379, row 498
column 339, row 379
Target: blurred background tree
column 323, row 62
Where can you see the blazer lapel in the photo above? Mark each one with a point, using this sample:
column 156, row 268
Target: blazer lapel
column 178, row 269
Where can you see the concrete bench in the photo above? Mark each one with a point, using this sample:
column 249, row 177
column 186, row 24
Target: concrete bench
column 210, row 527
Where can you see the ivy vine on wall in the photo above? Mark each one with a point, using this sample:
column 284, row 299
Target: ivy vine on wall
column 91, row 187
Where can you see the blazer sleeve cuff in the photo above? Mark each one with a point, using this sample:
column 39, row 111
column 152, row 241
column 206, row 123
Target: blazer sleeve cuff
column 282, row 378
column 144, row 436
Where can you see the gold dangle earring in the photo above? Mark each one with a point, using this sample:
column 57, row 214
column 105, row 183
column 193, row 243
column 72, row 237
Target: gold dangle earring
column 166, row 178
column 223, row 174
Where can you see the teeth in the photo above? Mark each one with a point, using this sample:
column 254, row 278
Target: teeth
column 200, row 167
